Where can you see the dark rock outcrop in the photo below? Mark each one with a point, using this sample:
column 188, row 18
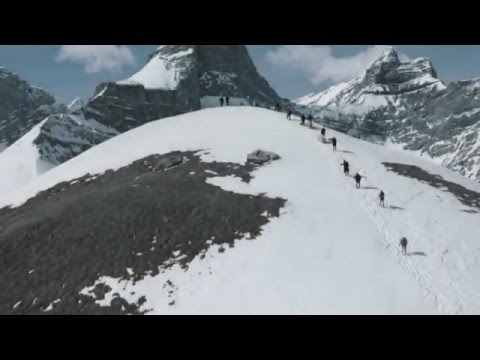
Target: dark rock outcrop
column 262, row 157
column 66, row 238
column 22, row 106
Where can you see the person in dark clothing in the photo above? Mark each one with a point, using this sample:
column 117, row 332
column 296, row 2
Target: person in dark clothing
column 403, row 244
column 227, row 100
column 221, row 100
column 357, row 178
column 323, row 131
column 310, row 120
column 381, row 196
column 289, row 115
column 346, row 167
column 334, row 143
column 302, row 120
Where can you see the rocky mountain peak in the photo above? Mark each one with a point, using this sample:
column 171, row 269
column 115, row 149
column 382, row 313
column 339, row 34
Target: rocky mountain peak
column 403, row 101
column 21, row 106
column 389, row 56
column 75, row 105
column 209, row 70
column 399, row 76
column 176, row 79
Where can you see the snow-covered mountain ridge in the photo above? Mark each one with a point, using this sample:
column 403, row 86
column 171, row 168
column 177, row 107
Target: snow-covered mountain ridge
column 177, row 79
column 404, row 102
column 330, row 249
column 22, row 106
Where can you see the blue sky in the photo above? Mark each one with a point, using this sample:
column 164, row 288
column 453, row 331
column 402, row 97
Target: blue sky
column 292, row 70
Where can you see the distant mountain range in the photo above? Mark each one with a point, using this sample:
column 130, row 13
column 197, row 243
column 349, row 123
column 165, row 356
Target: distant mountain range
column 393, row 100
column 404, row 102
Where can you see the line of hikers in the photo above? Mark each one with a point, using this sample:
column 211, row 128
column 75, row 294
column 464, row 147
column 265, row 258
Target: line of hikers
column 346, row 167
column 303, row 119
column 357, row 177
column 346, row 170
column 225, row 100
column 381, row 197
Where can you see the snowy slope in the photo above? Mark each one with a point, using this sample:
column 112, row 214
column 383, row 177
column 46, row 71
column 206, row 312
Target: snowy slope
column 322, row 98
column 21, row 162
column 332, row 250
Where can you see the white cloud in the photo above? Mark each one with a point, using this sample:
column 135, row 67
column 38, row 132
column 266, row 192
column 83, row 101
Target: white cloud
column 96, row 58
column 318, row 61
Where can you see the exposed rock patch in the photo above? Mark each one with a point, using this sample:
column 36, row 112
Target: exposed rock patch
column 123, row 224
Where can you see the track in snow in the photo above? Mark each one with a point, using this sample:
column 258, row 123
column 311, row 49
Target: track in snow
column 386, row 220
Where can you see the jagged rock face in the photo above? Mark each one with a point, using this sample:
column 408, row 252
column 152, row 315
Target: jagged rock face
column 229, row 70
column 21, row 106
column 63, row 136
column 177, row 79
column 126, row 107
column 388, row 75
column 445, row 125
column 404, row 102
column 385, row 81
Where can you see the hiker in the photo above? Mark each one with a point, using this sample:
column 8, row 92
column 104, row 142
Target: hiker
column 221, row 100
column 334, row 143
column 323, row 131
column 289, row 115
column 346, row 167
column 310, row 119
column 403, row 244
column 381, row 196
column 357, row 178
column 302, row 120
column 227, row 99
column 277, row 107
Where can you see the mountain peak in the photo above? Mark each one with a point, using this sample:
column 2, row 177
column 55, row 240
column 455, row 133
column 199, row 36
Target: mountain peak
column 208, row 71
column 386, row 76
column 176, row 79
column 390, row 52
column 22, row 106
column 388, row 56
column 75, row 105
